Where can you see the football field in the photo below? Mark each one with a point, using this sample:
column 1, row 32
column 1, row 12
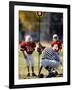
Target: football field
column 22, row 67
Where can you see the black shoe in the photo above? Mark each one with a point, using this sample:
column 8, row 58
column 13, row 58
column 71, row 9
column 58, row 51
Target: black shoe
column 52, row 74
column 33, row 74
column 40, row 75
column 28, row 74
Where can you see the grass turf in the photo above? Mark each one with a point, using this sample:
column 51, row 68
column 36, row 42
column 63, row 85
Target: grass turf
column 23, row 66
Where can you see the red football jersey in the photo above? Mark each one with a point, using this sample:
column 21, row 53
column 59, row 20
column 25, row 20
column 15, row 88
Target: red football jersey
column 29, row 47
column 58, row 43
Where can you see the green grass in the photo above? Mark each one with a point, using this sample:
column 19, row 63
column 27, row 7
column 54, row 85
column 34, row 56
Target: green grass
column 23, row 67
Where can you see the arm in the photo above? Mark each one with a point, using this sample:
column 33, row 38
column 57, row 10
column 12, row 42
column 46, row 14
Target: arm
column 40, row 69
column 40, row 48
column 22, row 48
column 24, row 53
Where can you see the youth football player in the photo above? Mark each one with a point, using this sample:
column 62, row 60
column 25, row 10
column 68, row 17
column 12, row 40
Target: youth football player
column 28, row 47
column 56, row 43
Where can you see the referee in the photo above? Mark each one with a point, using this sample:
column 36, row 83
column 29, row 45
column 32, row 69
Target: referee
column 50, row 61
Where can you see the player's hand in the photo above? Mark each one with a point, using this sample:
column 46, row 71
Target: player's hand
column 61, row 64
column 25, row 56
column 21, row 49
column 39, row 50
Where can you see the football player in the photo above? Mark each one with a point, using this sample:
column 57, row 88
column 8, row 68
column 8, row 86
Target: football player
column 28, row 48
column 56, row 43
column 49, row 60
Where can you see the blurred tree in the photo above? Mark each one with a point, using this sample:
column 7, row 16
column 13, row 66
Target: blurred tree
column 29, row 19
column 21, row 31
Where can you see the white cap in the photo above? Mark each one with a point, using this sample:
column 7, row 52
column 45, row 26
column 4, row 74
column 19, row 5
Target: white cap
column 28, row 38
column 55, row 36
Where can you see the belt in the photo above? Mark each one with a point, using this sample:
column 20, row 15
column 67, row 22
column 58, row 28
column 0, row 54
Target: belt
column 45, row 58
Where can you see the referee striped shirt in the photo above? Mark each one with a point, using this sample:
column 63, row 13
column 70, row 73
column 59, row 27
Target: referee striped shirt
column 50, row 54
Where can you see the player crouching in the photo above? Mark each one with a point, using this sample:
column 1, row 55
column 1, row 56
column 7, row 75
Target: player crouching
column 28, row 48
column 49, row 60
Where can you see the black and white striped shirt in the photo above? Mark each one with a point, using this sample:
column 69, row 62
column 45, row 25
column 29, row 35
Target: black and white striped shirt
column 50, row 54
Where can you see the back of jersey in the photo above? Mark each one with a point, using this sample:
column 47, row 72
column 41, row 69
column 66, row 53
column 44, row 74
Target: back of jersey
column 50, row 54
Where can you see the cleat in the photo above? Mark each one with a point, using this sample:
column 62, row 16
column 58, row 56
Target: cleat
column 40, row 75
column 28, row 74
column 33, row 74
column 52, row 74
